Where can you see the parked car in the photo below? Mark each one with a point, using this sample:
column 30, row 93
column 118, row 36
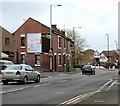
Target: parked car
column 20, row 73
column 88, row 69
column 4, row 64
column 99, row 67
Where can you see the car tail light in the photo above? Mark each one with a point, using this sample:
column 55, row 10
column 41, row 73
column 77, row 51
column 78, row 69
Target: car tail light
column 18, row 73
column 4, row 67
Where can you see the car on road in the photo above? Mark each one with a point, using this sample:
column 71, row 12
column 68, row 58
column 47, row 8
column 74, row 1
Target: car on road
column 20, row 73
column 88, row 69
column 4, row 64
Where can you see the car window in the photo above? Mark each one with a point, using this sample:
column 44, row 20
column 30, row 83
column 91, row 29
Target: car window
column 30, row 68
column 14, row 67
column 86, row 66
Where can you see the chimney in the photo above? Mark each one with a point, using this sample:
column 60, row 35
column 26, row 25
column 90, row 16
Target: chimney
column 54, row 26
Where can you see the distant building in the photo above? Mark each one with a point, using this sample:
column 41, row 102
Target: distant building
column 32, row 45
column 113, row 58
column 6, row 43
column 85, row 57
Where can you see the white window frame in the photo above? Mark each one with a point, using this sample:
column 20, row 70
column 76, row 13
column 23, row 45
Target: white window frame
column 35, row 60
column 22, row 36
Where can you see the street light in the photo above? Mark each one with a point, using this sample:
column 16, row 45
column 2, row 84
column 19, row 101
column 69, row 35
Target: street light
column 116, row 45
column 108, row 48
column 74, row 43
column 51, row 46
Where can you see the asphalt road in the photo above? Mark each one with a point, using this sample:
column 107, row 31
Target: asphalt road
column 63, row 88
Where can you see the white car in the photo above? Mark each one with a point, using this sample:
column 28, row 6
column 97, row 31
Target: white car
column 20, row 73
column 4, row 64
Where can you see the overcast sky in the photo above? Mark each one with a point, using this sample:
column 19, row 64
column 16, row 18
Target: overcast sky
column 96, row 17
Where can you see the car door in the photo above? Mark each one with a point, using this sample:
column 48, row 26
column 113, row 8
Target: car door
column 28, row 72
column 33, row 75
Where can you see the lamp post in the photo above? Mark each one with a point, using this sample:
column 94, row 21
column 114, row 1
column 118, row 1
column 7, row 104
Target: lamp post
column 108, row 48
column 74, row 37
column 51, row 45
column 116, row 45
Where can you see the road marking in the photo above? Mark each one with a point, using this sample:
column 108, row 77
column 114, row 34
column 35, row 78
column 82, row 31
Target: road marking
column 45, row 84
column 76, row 99
column 63, row 81
column 14, row 90
column 104, row 85
column 111, row 85
column 36, row 86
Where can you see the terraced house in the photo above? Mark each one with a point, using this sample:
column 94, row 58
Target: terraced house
column 6, row 44
column 32, row 46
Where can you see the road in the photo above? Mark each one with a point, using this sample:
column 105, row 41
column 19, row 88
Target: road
column 61, row 89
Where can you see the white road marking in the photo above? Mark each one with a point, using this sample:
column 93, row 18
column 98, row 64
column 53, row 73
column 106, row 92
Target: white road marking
column 36, row 86
column 104, row 85
column 77, row 98
column 111, row 85
column 63, row 81
column 45, row 84
column 13, row 90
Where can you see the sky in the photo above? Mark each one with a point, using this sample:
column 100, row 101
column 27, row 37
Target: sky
column 95, row 17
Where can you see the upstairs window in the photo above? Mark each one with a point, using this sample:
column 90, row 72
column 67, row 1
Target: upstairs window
column 59, row 42
column 64, row 43
column 22, row 41
column 7, row 42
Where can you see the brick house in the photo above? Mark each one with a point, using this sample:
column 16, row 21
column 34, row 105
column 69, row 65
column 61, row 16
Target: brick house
column 6, row 43
column 113, row 58
column 62, row 47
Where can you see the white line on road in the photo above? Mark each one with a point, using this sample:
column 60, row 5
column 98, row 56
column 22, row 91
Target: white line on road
column 104, row 85
column 45, row 84
column 77, row 98
column 14, row 90
column 111, row 85
column 36, row 86
column 63, row 81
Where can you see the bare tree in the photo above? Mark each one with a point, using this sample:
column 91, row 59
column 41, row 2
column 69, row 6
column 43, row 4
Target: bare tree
column 80, row 42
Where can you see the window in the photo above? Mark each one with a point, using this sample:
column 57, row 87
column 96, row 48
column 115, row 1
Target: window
column 64, row 43
column 59, row 41
column 23, row 58
column 59, row 59
column 64, row 59
column 37, row 59
column 7, row 42
column 22, row 41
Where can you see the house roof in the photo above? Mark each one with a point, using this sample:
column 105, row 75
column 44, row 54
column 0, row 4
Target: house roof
column 44, row 26
column 111, row 53
column 27, row 21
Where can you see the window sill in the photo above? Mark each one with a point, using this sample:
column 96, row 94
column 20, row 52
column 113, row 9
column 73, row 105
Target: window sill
column 37, row 65
column 22, row 46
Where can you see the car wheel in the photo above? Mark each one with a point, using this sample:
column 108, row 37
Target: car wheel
column 25, row 80
column 82, row 72
column 5, row 82
column 38, row 79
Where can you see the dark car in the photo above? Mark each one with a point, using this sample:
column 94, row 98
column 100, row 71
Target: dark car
column 88, row 69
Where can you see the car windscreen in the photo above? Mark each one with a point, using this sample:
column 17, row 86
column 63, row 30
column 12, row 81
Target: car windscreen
column 14, row 67
column 87, row 66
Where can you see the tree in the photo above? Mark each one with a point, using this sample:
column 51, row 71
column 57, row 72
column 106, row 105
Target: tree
column 80, row 42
